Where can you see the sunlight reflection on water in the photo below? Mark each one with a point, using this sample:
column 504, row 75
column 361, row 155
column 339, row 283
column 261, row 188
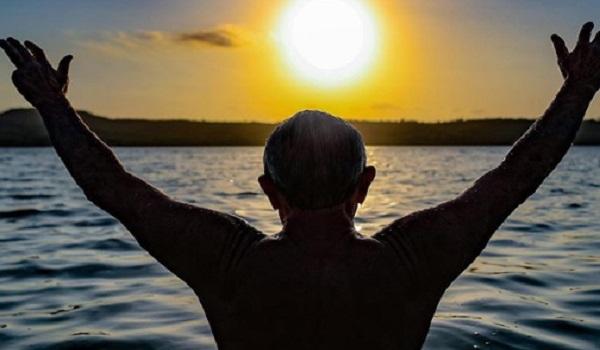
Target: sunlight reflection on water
column 72, row 277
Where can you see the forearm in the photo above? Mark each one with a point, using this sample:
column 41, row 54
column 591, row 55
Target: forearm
column 197, row 244
column 445, row 239
column 90, row 162
column 450, row 236
column 534, row 155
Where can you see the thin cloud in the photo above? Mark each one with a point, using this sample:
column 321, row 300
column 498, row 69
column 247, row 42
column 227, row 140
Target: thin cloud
column 225, row 37
column 150, row 35
column 216, row 37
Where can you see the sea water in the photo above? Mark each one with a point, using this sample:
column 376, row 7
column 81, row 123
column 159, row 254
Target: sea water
column 71, row 277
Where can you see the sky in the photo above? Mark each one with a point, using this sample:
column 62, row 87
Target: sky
column 226, row 60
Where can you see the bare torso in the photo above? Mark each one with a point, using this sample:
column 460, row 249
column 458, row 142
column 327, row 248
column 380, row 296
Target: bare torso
column 357, row 294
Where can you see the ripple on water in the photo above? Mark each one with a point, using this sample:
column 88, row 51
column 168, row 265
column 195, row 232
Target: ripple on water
column 32, row 269
column 109, row 244
column 103, row 221
column 70, row 278
column 28, row 197
column 533, row 228
column 28, row 213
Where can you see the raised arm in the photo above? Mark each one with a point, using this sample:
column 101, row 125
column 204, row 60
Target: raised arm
column 192, row 242
column 444, row 240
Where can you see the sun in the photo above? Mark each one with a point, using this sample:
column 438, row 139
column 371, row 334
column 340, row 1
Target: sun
column 329, row 42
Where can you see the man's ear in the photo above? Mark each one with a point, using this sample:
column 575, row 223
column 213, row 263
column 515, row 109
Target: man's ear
column 269, row 188
column 362, row 188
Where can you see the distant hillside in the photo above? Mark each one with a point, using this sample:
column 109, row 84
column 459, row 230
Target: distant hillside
column 23, row 127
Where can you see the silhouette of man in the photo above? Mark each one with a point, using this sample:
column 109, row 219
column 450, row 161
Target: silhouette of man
column 318, row 284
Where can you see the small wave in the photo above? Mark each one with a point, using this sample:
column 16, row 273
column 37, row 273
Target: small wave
column 19, row 213
column 24, row 213
column 31, row 269
column 587, row 304
column 24, row 197
column 595, row 292
column 111, row 244
column 89, row 333
column 563, row 326
column 237, row 194
column 68, row 309
column 105, row 221
column 12, row 239
column 539, row 227
column 528, row 280
column 23, row 179
column 511, row 243
column 559, row 191
column 94, row 342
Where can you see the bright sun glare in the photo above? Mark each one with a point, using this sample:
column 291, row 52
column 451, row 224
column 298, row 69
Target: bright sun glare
column 328, row 41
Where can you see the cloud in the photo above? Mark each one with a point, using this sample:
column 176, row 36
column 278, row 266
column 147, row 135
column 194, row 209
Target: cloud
column 120, row 43
column 149, row 35
column 224, row 37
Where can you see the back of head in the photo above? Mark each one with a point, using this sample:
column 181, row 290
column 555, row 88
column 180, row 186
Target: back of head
column 315, row 159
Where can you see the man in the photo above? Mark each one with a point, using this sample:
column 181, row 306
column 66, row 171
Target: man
column 318, row 284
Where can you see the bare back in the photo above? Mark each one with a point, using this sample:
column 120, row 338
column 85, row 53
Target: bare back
column 353, row 292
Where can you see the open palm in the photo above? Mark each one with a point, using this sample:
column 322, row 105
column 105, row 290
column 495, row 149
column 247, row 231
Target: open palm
column 582, row 65
column 34, row 77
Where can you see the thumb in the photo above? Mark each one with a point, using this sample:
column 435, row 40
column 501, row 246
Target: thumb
column 63, row 72
column 562, row 53
column 63, row 67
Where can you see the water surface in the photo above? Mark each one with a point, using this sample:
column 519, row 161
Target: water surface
column 71, row 277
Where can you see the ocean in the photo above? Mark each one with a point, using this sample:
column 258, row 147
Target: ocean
column 71, row 277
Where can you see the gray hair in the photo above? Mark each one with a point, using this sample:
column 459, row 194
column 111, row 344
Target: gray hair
column 315, row 159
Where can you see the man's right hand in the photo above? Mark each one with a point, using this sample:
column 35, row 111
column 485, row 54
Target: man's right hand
column 34, row 77
column 582, row 66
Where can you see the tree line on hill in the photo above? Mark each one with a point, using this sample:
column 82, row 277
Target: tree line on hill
column 24, row 127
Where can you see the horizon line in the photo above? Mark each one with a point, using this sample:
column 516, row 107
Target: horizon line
column 250, row 121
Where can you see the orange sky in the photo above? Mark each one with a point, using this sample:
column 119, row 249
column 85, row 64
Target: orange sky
column 448, row 60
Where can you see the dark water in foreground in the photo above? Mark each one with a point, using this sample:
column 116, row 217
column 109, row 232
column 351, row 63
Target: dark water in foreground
column 72, row 278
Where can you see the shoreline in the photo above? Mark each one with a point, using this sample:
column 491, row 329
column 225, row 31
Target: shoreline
column 24, row 128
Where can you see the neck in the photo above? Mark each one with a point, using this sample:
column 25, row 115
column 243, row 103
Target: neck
column 322, row 224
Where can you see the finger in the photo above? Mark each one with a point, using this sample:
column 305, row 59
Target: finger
column 561, row 49
column 14, row 56
column 37, row 52
column 596, row 40
column 25, row 55
column 585, row 34
column 63, row 66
